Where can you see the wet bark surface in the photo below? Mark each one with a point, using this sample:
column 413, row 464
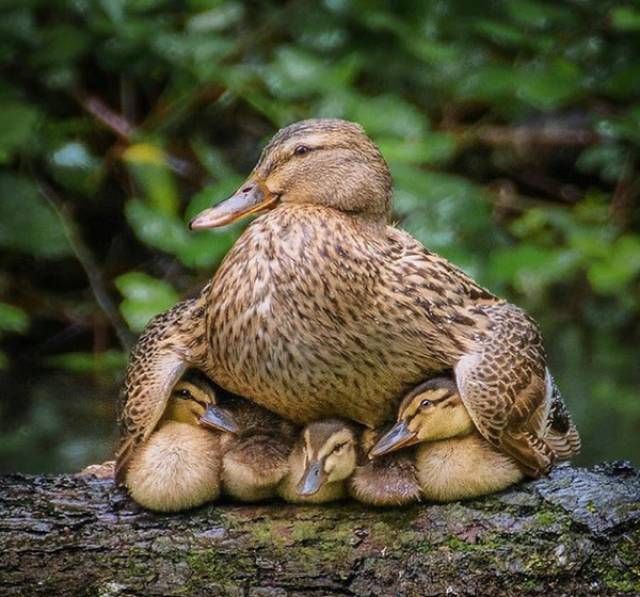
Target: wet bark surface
column 576, row 532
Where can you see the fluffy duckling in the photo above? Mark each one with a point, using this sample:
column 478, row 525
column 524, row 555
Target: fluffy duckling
column 179, row 466
column 453, row 461
column 324, row 467
column 323, row 459
column 256, row 457
column 390, row 480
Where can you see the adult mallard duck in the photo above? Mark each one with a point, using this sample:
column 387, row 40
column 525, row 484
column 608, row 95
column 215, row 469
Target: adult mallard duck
column 453, row 461
column 322, row 309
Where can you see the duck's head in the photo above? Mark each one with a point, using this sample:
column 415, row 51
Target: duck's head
column 326, row 162
column 194, row 402
column 431, row 411
column 329, row 451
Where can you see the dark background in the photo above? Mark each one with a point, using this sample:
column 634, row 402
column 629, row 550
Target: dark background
column 512, row 128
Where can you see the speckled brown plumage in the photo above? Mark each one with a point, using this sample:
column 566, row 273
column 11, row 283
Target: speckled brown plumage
column 345, row 315
column 322, row 309
column 160, row 357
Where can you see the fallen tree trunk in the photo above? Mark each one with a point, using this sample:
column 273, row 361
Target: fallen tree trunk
column 575, row 533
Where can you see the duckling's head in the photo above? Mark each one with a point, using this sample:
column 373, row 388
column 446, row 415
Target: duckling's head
column 322, row 161
column 329, row 449
column 431, row 411
column 193, row 401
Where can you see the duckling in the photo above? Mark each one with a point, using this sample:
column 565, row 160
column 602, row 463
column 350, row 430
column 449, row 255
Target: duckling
column 256, row 457
column 320, row 463
column 389, row 480
column 323, row 309
column 324, row 467
column 453, row 460
column 179, row 466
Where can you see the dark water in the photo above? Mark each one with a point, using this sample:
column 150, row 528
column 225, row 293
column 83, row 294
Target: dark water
column 57, row 422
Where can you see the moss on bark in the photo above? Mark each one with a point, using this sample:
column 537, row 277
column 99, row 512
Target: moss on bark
column 576, row 532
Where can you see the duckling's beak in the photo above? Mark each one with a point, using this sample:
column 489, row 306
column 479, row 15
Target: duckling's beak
column 252, row 197
column 219, row 419
column 397, row 437
column 312, row 479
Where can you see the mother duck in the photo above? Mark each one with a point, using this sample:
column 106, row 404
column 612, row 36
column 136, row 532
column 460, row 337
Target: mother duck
column 323, row 309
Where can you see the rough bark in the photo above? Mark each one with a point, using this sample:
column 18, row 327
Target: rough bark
column 575, row 533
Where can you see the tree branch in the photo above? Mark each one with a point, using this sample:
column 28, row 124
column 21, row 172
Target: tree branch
column 576, row 532
column 87, row 261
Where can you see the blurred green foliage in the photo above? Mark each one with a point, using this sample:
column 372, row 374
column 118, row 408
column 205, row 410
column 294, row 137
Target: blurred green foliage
column 512, row 129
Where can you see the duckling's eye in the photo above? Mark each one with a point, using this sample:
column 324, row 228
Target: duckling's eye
column 426, row 404
column 340, row 447
column 186, row 394
column 301, row 149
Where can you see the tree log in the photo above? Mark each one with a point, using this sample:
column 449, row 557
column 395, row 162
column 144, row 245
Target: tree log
column 576, row 532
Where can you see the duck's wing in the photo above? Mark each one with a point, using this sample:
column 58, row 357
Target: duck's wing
column 560, row 431
column 158, row 360
column 504, row 386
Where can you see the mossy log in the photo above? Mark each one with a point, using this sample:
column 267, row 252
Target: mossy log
column 576, row 532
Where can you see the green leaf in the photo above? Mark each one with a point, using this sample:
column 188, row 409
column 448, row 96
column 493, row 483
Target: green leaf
column 170, row 234
column 18, row 122
column 216, row 19
column 374, row 114
column 74, row 167
column 538, row 15
column 297, row 73
column 606, row 159
column 548, row 86
column 625, row 18
column 27, row 222
column 502, row 33
column 618, row 267
column 155, row 228
column 435, row 148
column 144, row 297
column 148, row 163
column 490, row 83
column 60, row 45
column 82, row 363
column 13, row 319
column 532, row 268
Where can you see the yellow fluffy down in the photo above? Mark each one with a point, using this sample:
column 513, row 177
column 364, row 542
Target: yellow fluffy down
column 177, row 469
column 462, row 468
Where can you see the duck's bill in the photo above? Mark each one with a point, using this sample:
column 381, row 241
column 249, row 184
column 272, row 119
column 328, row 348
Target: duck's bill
column 219, row 419
column 399, row 436
column 312, row 479
column 251, row 198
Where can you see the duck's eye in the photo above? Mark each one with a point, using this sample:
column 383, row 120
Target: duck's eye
column 426, row 404
column 301, row 150
column 340, row 447
column 186, row 394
